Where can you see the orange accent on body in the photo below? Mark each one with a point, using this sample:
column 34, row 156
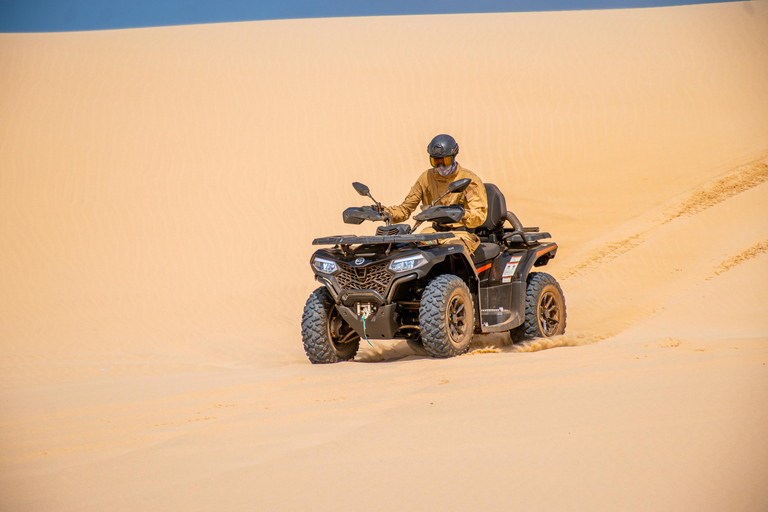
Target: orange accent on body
column 544, row 251
column 484, row 267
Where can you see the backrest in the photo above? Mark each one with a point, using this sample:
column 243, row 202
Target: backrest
column 497, row 211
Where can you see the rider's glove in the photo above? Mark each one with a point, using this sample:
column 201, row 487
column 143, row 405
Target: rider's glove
column 382, row 211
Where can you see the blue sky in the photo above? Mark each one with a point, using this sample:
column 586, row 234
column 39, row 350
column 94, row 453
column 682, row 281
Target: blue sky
column 71, row 15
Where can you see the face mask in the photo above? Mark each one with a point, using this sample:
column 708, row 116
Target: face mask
column 446, row 171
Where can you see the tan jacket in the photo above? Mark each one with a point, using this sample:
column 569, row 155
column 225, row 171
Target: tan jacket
column 431, row 185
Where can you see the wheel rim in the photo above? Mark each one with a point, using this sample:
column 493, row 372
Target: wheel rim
column 339, row 333
column 457, row 318
column 549, row 314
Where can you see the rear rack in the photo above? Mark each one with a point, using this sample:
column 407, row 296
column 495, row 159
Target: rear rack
column 529, row 237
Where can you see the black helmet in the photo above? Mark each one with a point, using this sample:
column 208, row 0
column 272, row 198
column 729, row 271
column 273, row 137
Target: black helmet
column 443, row 146
column 442, row 151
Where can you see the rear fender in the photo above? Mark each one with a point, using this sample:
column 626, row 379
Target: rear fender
column 538, row 257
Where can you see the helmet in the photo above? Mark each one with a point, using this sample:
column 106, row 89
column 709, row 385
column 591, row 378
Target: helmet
column 442, row 146
column 442, row 150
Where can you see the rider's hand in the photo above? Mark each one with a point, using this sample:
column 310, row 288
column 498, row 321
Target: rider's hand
column 382, row 211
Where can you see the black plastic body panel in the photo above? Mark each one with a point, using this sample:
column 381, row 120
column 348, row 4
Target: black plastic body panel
column 500, row 307
column 499, row 284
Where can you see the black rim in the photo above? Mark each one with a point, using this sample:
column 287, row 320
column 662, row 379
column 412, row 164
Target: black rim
column 457, row 318
column 549, row 314
column 339, row 332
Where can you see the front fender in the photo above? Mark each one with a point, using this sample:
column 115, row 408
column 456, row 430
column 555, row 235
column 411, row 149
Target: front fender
column 453, row 259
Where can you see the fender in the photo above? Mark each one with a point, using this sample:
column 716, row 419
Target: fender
column 537, row 258
column 546, row 253
column 456, row 256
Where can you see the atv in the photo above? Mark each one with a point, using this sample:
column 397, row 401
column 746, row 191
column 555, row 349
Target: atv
column 433, row 294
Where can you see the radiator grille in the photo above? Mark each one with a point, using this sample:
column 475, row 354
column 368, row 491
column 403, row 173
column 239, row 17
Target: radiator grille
column 373, row 277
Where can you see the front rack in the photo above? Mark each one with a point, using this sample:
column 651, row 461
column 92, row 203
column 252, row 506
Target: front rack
column 395, row 239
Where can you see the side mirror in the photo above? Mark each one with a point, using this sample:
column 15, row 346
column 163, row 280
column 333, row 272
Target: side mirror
column 361, row 189
column 459, row 185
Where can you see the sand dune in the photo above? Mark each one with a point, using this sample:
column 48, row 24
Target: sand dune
column 159, row 190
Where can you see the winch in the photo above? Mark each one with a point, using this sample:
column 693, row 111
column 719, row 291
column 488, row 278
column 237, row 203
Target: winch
column 365, row 309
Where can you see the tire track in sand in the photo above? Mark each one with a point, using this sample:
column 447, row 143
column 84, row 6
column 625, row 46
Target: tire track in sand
column 716, row 191
column 627, row 308
column 745, row 255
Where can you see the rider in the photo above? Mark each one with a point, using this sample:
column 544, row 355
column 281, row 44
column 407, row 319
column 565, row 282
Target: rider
column 434, row 182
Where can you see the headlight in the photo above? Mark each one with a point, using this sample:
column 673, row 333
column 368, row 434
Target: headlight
column 407, row 263
column 325, row 266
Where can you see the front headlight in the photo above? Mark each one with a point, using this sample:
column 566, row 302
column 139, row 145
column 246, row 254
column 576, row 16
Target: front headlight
column 407, row 263
column 325, row 266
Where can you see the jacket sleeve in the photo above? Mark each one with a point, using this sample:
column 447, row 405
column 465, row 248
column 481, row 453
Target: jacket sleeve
column 477, row 205
column 401, row 212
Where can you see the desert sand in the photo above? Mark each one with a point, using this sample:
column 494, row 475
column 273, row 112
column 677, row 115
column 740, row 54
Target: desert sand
column 160, row 189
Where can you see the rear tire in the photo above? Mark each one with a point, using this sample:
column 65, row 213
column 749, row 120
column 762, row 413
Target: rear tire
column 446, row 317
column 327, row 337
column 545, row 313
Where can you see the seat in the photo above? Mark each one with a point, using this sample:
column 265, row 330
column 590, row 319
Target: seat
column 496, row 214
column 485, row 252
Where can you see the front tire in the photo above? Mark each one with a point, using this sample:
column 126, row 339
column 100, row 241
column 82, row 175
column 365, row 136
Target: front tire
column 446, row 317
column 327, row 337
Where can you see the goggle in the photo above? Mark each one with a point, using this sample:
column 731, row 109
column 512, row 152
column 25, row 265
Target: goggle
column 446, row 161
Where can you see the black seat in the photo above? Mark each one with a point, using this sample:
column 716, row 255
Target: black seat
column 485, row 252
column 497, row 212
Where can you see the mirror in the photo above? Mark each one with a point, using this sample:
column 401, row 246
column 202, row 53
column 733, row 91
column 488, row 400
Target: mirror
column 458, row 185
column 362, row 189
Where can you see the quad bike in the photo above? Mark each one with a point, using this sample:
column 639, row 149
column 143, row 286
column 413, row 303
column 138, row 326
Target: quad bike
column 399, row 284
